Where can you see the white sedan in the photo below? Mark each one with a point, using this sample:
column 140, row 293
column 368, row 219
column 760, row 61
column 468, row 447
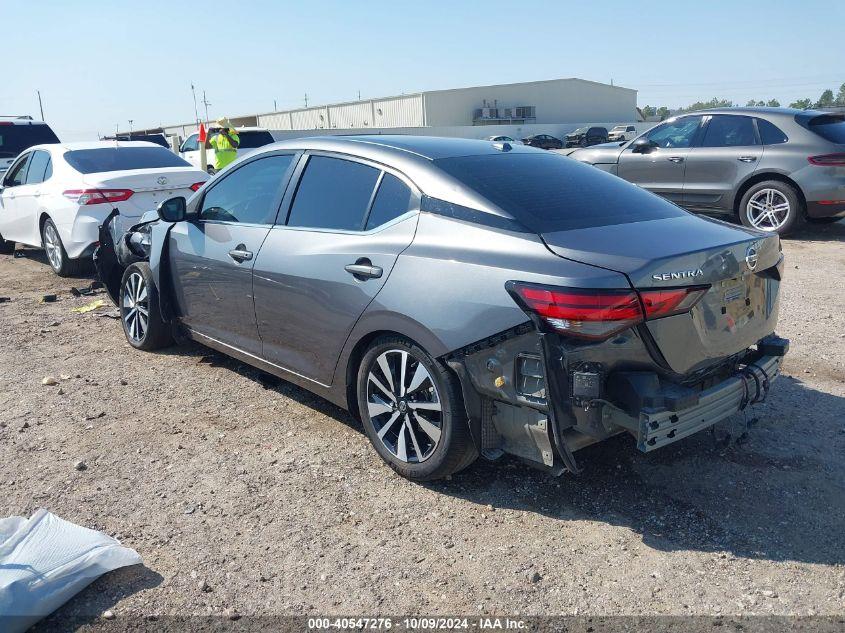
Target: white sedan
column 56, row 196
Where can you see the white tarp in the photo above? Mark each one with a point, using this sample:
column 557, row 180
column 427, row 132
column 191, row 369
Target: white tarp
column 45, row 561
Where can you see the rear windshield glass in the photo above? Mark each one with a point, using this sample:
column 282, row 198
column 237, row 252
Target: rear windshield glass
column 549, row 192
column 16, row 138
column 90, row 161
column 254, row 139
column 830, row 127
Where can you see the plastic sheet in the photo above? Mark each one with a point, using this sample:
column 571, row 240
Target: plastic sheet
column 45, row 561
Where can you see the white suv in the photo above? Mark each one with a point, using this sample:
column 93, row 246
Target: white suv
column 18, row 133
column 622, row 133
column 250, row 139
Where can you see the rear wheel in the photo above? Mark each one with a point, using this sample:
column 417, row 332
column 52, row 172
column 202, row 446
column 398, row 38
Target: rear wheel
column 57, row 256
column 412, row 411
column 139, row 310
column 772, row 206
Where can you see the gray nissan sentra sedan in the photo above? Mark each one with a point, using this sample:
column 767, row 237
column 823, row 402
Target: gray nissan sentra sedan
column 462, row 298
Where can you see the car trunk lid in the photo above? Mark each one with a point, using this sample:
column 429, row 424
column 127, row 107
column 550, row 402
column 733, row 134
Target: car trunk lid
column 149, row 186
column 739, row 266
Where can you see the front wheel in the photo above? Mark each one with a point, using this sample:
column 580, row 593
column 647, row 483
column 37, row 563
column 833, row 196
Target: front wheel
column 139, row 310
column 772, row 206
column 412, row 411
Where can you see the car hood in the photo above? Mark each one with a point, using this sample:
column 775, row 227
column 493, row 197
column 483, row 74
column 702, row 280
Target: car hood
column 603, row 153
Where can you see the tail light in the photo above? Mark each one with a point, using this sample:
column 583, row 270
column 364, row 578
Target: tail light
column 597, row 314
column 827, row 160
column 97, row 196
column 196, row 186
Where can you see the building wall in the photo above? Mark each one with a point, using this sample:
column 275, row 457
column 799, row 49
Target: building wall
column 404, row 111
column 556, row 101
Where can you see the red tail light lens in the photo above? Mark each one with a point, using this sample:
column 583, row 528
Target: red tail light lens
column 588, row 314
column 97, row 196
column 196, row 186
column 828, row 160
column 669, row 301
column 598, row 314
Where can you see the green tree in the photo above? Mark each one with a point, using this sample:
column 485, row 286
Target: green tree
column 826, row 100
column 773, row 103
column 663, row 112
column 840, row 97
column 751, row 103
column 715, row 102
column 802, row 104
column 649, row 111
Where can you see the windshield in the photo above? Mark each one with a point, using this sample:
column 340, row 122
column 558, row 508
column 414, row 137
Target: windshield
column 16, row 138
column 618, row 128
column 580, row 130
column 549, row 192
column 91, row 161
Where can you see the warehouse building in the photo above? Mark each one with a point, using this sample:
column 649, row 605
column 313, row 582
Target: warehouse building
column 552, row 106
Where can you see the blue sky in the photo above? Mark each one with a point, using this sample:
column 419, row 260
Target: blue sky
column 100, row 63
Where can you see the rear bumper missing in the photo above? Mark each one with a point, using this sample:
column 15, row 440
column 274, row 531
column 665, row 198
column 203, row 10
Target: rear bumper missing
column 658, row 427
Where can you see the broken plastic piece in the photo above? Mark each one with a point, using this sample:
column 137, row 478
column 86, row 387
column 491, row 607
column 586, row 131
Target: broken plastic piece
column 45, row 561
column 89, row 306
column 49, row 298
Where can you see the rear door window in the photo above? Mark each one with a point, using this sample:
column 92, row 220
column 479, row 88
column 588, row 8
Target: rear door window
column 248, row 194
column 726, row 130
column 101, row 159
column 392, row 200
column 38, row 166
column 549, row 192
column 333, row 193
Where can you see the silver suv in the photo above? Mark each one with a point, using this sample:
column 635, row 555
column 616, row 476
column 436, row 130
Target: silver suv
column 773, row 168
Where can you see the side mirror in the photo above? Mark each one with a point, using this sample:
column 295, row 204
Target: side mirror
column 642, row 146
column 173, row 210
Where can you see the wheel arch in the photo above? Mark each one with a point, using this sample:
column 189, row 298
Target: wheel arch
column 758, row 177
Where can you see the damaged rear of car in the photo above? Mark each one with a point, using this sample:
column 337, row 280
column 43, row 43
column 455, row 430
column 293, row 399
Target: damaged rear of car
column 508, row 301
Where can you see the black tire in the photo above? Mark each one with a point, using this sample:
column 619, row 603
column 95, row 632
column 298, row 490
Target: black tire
column 6, row 248
column 57, row 257
column 145, row 333
column 453, row 450
column 794, row 215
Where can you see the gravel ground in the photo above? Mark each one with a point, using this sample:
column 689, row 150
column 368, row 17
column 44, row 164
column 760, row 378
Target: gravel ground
column 244, row 494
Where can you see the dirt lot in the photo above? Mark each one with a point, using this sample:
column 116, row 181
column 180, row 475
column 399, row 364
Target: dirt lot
column 247, row 494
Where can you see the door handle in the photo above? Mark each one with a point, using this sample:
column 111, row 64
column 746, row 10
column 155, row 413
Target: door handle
column 676, row 159
column 364, row 269
column 747, row 159
column 240, row 254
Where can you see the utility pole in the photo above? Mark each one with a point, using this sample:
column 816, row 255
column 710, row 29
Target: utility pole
column 40, row 105
column 130, row 129
column 206, row 103
column 306, row 99
column 359, row 95
column 275, row 107
column 196, row 112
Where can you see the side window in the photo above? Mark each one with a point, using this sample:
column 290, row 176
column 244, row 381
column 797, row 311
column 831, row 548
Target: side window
column 247, row 194
column 333, row 194
column 37, row 167
column 770, row 134
column 191, row 144
column 726, row 130
column 678, row 133
column 392, row 200
column 631, row 128
column 17, row 173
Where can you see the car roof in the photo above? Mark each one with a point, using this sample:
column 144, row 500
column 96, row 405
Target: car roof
column 80, row 145
column 21, row 120
column 760, row 111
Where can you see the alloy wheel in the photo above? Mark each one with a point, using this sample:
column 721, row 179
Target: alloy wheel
column 404, row 406
column 768, row 210
column 53, row 246
column 136, row 307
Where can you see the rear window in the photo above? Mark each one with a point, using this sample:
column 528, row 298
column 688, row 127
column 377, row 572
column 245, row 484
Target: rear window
column 830, row 127
column 16, row 138
column 549, row 192
column 91, row 161
column 249, row 140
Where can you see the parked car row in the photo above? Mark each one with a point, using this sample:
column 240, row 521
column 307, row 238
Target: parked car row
column 581, row 137
column 460, row 297
column 773, row 168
